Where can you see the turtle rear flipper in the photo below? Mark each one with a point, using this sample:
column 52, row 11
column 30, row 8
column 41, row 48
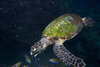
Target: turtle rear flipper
column 88, row 22
column 67, row 57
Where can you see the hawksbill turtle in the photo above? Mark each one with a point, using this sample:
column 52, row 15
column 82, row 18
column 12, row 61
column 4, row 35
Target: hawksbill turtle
column 57, row 32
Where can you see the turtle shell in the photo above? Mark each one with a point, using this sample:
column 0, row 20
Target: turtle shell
column 64, row 27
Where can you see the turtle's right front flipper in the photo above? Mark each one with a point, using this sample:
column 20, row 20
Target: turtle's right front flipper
column 39, row 47
column 67, row 57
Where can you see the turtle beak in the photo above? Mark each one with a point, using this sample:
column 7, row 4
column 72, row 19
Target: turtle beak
column 35, row 50
column 35, row 54
column 32, row 51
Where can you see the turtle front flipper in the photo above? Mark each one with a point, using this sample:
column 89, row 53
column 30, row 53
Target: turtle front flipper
column 67, row 57
column 39, row 47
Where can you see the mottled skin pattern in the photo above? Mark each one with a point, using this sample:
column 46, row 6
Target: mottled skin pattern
column 57, row 32
column 67, row 57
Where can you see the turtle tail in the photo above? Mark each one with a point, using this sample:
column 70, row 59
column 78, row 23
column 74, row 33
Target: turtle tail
column 67, row 57
column 39, row 47
column 88, row 22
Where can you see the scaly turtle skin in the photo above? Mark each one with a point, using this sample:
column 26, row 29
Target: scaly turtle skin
column 57, row 32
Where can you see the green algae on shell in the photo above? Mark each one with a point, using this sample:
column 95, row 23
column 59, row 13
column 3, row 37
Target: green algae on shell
column 65, row 26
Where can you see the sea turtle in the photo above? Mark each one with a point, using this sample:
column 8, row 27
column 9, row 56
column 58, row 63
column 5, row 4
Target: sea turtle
column 57, row 32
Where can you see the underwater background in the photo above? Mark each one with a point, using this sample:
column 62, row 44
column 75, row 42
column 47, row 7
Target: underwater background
column 22, row 23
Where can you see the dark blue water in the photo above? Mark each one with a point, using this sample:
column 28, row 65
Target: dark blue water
column 22, row 23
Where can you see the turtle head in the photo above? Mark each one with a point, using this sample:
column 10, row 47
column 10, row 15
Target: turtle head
column 39, row 46
column 88, row 22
